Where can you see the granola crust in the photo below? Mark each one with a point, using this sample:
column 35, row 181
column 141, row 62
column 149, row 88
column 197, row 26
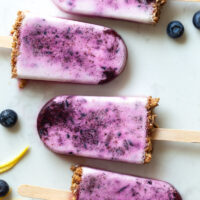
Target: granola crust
column 157, row 10
column 15, row 32
column 152, row 103
column 22, row 83
column 76, row 179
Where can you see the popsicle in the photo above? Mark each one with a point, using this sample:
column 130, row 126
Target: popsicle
column 144, row 11
column 53, row 49
column 111, row 128
column 94, row 184
column 88, row 183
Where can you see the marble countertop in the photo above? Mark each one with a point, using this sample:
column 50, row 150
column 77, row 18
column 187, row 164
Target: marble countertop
column 157, row 66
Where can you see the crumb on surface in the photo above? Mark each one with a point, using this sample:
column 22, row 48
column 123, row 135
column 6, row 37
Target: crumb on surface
column 22, row 83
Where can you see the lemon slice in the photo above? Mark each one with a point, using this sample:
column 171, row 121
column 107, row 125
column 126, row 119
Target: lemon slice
column 7, row 166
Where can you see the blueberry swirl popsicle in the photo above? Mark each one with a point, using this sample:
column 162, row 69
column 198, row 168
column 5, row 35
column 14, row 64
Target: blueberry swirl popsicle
column 144, row 11
column 111, row 128
column 94, row 184
column 53, row 49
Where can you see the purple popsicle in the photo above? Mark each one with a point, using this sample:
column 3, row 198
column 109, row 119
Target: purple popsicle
column 111, row 128
column 53, row 49
column 144, row 11
column 94, row 184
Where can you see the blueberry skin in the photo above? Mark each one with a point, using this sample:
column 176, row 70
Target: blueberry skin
column 8, row 118
column 196, row 19
column 175, row 29
column 4, row 188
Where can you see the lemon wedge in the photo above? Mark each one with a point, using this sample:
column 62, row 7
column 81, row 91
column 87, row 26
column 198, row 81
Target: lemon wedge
column 7, row 166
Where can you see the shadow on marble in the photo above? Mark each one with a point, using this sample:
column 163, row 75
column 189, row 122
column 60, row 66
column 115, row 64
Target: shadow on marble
column 15, row 129
column 147, row 170
column 5, row 54
column 179, row 148
column 182, row 39
column 10, row 196
column 151, row 170
column 162, row 115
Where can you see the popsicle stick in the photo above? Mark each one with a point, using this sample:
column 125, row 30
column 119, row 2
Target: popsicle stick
column 176, row 135
column 43, row 193
column 6, row 41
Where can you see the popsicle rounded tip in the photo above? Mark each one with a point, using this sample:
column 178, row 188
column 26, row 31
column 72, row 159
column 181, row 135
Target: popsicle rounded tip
column 177, row 196
column 173, row 193
column 112, row 73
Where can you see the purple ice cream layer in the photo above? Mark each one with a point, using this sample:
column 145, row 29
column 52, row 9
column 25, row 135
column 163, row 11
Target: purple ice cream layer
column 68, row 51
column 112, row 128
column 103, row 185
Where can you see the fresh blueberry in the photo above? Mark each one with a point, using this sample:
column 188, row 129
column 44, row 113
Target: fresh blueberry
column 4, row 188
column 175, row 29
column 196, row 19
column 8, row 118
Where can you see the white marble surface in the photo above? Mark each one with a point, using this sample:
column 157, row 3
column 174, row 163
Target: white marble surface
column 157, row 66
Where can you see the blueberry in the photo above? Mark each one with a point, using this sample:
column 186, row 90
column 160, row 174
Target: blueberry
column 196, row 19
column 8, row 118
column 4, row 188
column 175, row 29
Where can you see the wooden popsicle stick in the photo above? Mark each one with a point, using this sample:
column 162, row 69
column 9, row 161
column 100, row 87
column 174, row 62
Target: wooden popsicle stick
column 6, row 41
column 43, row 193
column 176, row 135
